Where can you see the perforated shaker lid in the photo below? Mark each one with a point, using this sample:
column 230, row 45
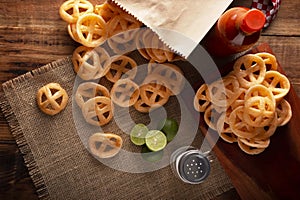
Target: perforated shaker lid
column 194, row 167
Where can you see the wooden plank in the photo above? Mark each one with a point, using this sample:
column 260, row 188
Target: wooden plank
column 287, row 53
column 287, row 21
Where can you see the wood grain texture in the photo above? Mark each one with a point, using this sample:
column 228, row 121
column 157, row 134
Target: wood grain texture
column 271, row 174
column 32, row 34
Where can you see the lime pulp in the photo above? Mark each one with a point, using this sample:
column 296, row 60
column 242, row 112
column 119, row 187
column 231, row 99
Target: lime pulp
column 156, row 140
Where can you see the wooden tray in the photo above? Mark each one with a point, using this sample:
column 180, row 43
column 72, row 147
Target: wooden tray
column 273, row 174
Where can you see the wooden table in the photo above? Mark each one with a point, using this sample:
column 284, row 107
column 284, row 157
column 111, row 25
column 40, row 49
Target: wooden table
column 32, row 34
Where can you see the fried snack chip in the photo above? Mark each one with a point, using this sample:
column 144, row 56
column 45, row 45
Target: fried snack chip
column 106, row 10
column 98, row 111
column 250, row 70
column 223, row 128
column 91, row 30
column 277, row 83
column 166, row 74
column 240, row 100
column 72, row 30
column 142, row 107
column 240, row 127
column 91, row 63
column 251, row 146
column 259, row 90
column 223, row 92
column 201, row 101
column 118, row 21
column 123, row 42
column 105, row 145
column 52, row 98
column 123, row 23
column 284, row 113
column 228, row 137
column 89, row 90
column 212, row 116
column 70, row 10
column 152, row 48
column 268, row 130
column 154, row 94
column 269, row 60
column 254, row 104
column 259, row 111
column 122, row 27
column 80, row 55
column 121, row 67
column 125, row 92
column 139, row 42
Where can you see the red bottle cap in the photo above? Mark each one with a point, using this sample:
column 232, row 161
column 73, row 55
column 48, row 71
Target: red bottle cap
column 253, row 21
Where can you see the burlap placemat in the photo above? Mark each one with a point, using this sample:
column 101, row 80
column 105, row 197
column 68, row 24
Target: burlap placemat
column 60, row 165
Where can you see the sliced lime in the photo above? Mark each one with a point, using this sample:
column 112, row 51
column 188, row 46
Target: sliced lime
column 138, row 134
column 151, row 156
column 156, row 140
column 170, row 128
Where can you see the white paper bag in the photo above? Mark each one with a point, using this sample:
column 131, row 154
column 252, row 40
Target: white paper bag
column 181, row 24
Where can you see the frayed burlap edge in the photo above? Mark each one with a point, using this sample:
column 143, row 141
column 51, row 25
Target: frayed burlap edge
column 16, row 129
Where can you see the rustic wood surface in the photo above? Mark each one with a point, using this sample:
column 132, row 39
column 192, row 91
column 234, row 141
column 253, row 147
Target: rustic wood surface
column 32, row 34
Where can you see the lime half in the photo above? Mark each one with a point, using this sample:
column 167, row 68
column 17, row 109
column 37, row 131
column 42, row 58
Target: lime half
column 151, row 156
column 138, row 134
column 170, row 128
column 156, row 140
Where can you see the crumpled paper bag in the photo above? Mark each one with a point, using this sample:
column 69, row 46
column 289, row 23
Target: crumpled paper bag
column 181, row 24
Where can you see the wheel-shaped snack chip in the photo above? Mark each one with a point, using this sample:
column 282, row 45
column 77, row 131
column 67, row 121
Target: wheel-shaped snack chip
column 224, row 92
column 284, row 112
column 125, row 92
column 277, row 83
column 201, row 102
column 169, row 75
column 253, row 147
column 98, row 111
column 123, row 23
column 250, row 70
column 90, row 63
column 73, row 32
column 121, row 67
column 105, row 145
column 142, row 107
column 228, row 137
column 154, row 94
column 89, row 90
column 80, row 55
column 212, row 117
column 239, row 127
column 91, row 30
column 70, row 10
column 52, row 98
column 124, row 42
column 269, row 60
column 107, row 11
column 267, row 130
column 152, row 48
column 259, row 90
column 259, row 111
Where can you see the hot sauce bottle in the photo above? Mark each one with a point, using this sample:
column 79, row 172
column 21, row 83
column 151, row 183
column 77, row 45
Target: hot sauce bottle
column 237, row 30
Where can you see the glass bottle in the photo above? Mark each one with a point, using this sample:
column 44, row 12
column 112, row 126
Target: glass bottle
column 237, row 30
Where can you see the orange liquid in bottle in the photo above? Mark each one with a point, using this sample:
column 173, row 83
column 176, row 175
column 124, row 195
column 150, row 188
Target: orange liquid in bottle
column 237, row 30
